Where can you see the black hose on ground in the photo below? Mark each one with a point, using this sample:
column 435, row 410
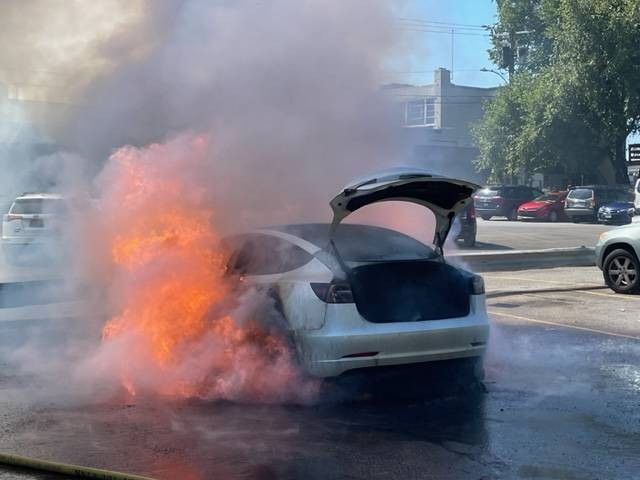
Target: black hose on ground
column 66, row 468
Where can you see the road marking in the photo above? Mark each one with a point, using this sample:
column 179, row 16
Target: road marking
column 562, row 325
column 618, row 296
column 556, row 282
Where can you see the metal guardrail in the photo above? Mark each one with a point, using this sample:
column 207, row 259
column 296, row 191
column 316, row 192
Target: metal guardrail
column 525, row 259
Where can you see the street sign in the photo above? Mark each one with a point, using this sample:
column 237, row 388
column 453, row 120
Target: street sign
column 634, row 153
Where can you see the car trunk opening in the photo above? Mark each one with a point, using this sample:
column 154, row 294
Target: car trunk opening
column 445, row 197
column 410, row 291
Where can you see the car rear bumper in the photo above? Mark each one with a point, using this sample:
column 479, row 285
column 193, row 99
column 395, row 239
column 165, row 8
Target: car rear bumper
column 532, row 215
column 333, row 349
column 580, row 212
column 490, row 212
column 617, row 217
column 25, row 240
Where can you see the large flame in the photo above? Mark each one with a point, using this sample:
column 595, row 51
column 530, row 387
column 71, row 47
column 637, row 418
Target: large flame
column 182, row 326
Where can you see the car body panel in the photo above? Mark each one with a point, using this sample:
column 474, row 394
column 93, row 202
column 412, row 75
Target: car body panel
column 323, row 333
column 444, row 196
column 330, row 350
column 581, row 206
column 501, row 200
column 538, row 209
column 616, row 212
column 32, row 225
column 626, row 235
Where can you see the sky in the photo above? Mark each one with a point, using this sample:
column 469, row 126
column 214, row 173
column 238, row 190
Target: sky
column 470, row 42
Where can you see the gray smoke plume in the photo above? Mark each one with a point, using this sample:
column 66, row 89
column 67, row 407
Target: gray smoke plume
column 286, row 89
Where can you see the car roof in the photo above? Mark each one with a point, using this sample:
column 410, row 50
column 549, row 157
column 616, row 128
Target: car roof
column 36, row 196
column 318, row 233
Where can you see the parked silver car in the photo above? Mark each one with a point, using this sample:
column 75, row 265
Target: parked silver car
column 617, row 254
column 358, row 296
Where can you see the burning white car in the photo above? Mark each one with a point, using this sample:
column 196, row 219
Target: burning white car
column 358, row 296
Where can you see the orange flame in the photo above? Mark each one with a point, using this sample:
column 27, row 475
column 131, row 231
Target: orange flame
column 181, row 323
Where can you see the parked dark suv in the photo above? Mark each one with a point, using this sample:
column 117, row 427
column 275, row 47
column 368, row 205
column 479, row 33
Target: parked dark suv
column 583, row 203
column 503, row 200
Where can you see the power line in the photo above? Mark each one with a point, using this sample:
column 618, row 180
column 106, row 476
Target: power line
column 393, row 72
column 446, row 32
column 446, row 24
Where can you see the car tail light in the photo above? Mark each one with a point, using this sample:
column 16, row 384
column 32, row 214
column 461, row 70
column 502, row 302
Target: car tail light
column 477, row 285
column 333, row 292
column 13, row 216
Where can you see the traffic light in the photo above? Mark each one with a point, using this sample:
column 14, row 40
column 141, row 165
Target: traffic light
column 506, row 59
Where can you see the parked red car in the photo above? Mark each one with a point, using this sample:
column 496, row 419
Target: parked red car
column 548, row 207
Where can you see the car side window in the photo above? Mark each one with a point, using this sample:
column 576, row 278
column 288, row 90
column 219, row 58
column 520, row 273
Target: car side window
column 623, row 196
column 261, row 254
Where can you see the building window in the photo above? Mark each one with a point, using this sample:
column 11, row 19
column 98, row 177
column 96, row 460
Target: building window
column 420, row 112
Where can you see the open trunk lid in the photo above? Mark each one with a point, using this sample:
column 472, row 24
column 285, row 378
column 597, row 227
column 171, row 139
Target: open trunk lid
column 445, row 197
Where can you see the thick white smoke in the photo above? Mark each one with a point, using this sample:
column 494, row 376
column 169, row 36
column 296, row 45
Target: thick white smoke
column 284, row 91
column 287, row 90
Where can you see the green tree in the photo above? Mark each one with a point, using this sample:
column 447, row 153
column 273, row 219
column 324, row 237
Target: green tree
column 576, row 94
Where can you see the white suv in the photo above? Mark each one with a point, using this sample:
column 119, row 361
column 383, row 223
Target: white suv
column 33, row 218
column 617, row 254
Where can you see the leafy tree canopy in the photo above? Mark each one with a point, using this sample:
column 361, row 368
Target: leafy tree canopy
column 575, row 95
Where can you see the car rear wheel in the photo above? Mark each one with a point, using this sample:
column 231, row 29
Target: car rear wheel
column 553, row 216
column 575, row 219
column 486, row 217
column 621, row 271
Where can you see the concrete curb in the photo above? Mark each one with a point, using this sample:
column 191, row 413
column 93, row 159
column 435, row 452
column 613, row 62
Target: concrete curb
column 525, row 259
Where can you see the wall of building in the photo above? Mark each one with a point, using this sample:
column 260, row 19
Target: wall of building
column 445, row 145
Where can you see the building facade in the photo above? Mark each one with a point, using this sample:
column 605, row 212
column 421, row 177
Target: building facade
column 436, row 123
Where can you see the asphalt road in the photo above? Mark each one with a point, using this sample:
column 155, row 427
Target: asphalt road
column 498, row 234
column 562, row 402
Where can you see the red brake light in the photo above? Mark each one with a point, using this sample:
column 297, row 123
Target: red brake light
column 333, row 292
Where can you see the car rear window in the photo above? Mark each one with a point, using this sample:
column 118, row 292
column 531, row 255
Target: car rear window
column 260, row 254
column 491, row 192
column 581, row 193
column 363, row 243
column 35, row 206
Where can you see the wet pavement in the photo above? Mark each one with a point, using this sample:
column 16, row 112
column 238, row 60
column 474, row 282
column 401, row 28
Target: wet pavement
column 561, row 402
column 500, row 234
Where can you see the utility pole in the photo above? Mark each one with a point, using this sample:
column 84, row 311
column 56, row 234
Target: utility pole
column 452, row 33
column 512, row 47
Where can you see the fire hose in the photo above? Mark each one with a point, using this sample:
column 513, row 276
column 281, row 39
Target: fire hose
column 65, row 468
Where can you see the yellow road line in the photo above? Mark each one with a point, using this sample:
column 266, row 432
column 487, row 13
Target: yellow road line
column 562, row 325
